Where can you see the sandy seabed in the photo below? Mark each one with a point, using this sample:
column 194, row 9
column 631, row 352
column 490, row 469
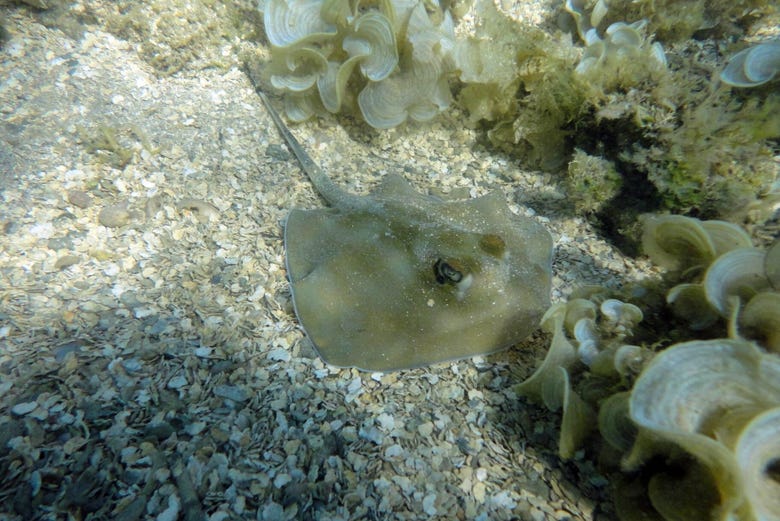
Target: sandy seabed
column 151, row 366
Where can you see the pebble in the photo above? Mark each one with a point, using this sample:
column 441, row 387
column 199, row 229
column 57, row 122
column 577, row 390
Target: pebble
column 177, row 382
column 20, row 409
column 79, row 198
column 66, row 261
column 114, row 216
column 231, row 392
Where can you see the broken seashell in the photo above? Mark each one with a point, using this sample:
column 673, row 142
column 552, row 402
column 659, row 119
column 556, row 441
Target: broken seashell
column 753, row 66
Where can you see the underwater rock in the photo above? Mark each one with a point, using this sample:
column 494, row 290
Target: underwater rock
column 753, row 66
column 396, row 55
column 115, row 215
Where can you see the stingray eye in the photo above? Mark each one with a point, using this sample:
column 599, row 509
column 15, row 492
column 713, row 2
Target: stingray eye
column 444, row 272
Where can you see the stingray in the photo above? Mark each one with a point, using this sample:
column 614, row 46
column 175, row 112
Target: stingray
column 397, row 279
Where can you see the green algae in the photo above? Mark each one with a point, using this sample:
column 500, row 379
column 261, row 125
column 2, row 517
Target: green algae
column 679, row 140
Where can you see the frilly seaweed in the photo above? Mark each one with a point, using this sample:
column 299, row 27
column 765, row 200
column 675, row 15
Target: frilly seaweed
column 753, row 66
column 678, row 20
column 718, row 400
column 689, row 424
column 395, row 53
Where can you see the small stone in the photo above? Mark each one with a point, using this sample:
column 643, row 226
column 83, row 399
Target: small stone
column 203, row 351
column 177, row 382
column 60, row 243
column 428, row 504
column 231, row 392
column 66, row 261
column 282, row 479
column 114, row 216
column 159, row 430
column 79, row 198
column 279, row 354
column 271, row 512
column 393, row 451
column 63, row 350
column 479, row 492
column 425, row 429
column 20, row 409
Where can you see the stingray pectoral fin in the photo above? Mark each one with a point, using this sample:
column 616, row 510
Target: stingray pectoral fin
column 366, row 292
